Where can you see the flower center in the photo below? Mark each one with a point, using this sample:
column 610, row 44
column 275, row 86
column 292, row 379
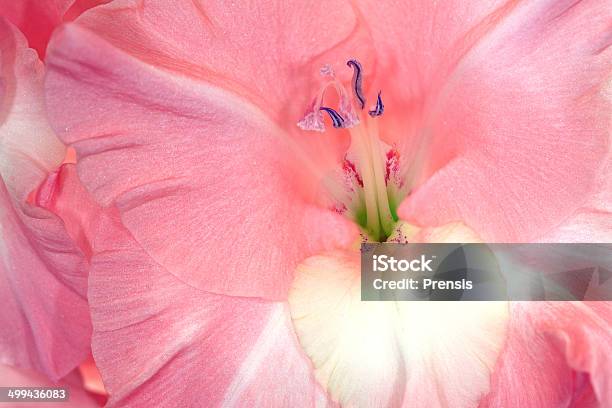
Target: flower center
column 370, row 173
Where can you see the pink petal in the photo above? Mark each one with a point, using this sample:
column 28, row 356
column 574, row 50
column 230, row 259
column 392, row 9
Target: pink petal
column 78, row 7
column 207, row 184
column 64, row 195
column 44, row 322
column 557, row 354
column 38, row 18
column 29, row 147
column 35, row 18
column 14, row 377
column 592, row 222
column 519, row 126
column 152, row 332
column 266, row 51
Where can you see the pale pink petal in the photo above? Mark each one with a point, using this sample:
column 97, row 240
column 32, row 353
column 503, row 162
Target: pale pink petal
column 29, row 149
column 557, row 354
column 14, row 377
column 63, row 194
column 418, row 45
column 44, row 322
column 592, row 222
column 517, row 124
column 211, row 188
column 152, row 332
column 264, row 51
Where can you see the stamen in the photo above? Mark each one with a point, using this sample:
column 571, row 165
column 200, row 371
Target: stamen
column 337, row 120
column 327, row 70
column 313, row 119
column 372, row 185
column 357, row 81
column 379, row 108
column 346, row 110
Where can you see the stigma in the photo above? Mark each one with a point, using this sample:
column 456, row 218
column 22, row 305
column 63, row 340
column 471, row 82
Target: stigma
column 370, row 172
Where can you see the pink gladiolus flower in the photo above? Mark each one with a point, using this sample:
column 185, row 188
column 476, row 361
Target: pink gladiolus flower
column 230, row 159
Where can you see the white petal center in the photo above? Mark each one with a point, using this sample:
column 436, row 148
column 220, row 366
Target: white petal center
column 371, row 354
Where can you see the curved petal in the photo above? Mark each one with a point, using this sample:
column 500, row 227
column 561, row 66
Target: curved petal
column 564, row 348
column 78, row 7
column 592, row 222
column 431, row 38
column 29, row 149
column 519, row 126
column 266, row 53
column 418, row 45
column 206, row 183
column 44, row 322
column 152, row 331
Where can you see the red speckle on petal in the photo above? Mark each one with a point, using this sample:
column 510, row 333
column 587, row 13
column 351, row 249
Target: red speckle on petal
column 349, row 167
column 392, row 164
column 339, row 208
